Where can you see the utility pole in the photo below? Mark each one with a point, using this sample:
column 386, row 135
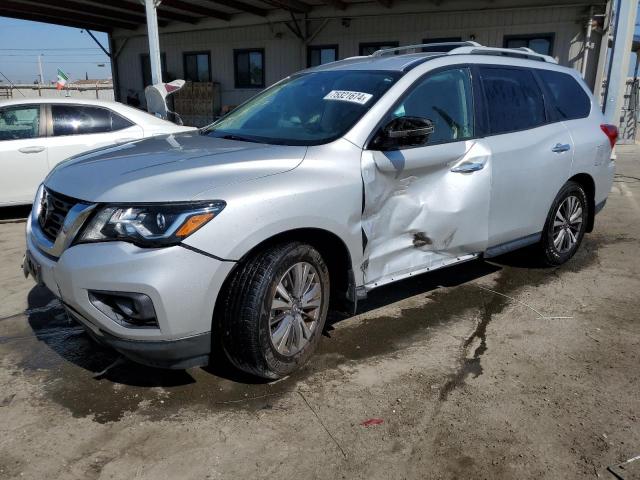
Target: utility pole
column 619, row 63
column 40, row 69
column 154, row 40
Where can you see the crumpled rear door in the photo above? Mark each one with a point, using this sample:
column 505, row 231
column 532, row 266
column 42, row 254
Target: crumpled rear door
column 424, row 208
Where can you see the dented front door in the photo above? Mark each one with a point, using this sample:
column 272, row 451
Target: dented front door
column 426, row 207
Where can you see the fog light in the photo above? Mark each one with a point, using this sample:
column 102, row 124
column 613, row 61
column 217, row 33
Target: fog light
column 131, row 310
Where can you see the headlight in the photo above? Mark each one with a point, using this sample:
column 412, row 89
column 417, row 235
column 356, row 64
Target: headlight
column 149, row 225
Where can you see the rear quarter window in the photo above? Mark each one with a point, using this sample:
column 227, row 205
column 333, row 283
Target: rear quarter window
column 82, row 120
column 570, row 101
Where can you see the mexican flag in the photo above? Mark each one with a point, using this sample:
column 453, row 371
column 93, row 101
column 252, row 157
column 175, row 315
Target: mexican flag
column 62, row 80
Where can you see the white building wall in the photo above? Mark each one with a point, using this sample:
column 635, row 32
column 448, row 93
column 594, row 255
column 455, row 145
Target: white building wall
column 285, row 53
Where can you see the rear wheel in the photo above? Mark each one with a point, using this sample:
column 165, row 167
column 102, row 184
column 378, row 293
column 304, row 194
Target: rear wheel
column 276, row 309
column 566, row 224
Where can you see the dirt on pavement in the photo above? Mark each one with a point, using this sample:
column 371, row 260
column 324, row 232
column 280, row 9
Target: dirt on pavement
column 490, row 369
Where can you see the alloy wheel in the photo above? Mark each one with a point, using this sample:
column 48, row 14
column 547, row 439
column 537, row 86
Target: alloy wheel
column 295, row 308
column 567, row 224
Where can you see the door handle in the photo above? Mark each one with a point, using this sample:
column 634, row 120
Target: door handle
column 468, row 167
column 561, row 147
column 31, row 149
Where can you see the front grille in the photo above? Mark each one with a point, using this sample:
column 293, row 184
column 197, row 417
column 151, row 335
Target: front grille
column 53, row 210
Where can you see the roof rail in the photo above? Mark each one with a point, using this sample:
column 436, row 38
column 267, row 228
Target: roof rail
column 521, row 52
column 454, row 45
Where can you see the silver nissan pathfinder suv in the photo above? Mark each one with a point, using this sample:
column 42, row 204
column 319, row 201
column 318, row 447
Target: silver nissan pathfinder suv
column 334, row 181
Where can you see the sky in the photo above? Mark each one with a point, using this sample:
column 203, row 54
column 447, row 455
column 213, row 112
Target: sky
column 70, row 49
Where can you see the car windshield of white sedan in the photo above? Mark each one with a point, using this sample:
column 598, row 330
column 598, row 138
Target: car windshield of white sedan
column 307, row 109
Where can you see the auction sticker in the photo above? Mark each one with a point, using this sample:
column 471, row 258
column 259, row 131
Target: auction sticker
column 348, row 96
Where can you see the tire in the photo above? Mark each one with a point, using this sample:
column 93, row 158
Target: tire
column 557, row 248
column 257, row 316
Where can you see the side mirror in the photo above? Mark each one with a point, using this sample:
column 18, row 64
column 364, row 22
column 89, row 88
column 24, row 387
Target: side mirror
column 403, row 132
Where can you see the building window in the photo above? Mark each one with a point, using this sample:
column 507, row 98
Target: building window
column 369, row 48
column 249, row 68
column 540, row 43
column 440, row 40
column 320, row 54
column 146, row 68
column 197, row 66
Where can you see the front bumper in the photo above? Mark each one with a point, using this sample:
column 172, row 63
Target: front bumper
column 183, row 285
column 174, row 354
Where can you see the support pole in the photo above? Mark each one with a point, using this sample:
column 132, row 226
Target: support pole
column 619, row 66
column 587, row 43
column 154, row 40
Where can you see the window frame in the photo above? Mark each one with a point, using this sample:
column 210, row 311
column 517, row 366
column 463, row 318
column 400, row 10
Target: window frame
column 196, row 53
column 42, row 126
column 236, row 53
column 363, row 45
column 479, row 126
column 163, row 66
column 310, row 48
column 551, row 36
column 113, row 112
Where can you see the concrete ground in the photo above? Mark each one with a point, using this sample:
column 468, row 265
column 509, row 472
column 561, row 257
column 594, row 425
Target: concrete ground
column 496, row 369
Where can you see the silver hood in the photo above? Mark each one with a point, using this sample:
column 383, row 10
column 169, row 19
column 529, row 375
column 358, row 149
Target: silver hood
column 168, row 168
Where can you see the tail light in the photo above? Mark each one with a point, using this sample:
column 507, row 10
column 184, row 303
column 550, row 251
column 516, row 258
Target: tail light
column 611, row 131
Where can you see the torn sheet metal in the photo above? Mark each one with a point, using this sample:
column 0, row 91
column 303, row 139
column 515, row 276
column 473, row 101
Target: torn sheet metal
column 425, row 208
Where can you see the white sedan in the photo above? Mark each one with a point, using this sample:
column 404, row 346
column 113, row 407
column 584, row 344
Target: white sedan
column 36, row 134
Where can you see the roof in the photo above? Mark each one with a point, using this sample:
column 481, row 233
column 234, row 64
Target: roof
column 110, row 15
column 76, row 101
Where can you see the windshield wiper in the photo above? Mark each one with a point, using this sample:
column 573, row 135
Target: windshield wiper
column 238, row 138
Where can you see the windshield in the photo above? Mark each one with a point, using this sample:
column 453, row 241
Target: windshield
column 307, row 109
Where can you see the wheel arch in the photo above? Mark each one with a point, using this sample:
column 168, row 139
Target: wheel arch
column 588, row 184
column 335, row 253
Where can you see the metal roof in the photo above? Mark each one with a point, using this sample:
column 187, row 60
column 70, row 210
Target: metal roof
column 108, row 15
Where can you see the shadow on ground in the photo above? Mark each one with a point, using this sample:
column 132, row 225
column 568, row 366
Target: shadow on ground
column 108, row 395
column 16, row 213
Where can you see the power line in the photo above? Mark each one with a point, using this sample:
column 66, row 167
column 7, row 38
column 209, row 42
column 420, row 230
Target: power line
column 59, row 62
column 47, row 49
column 10, row 82
column 49, row 55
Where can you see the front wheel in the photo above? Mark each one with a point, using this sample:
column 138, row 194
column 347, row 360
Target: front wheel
column 276, row 309
column 566, row 224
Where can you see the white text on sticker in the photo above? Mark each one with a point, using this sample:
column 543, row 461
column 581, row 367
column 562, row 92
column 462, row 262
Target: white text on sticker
column 347, row 96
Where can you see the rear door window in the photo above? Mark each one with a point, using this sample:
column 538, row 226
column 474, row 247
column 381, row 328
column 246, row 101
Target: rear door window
column 20, row 122
column 514, row 99
column 82, row 120
column 570, row 101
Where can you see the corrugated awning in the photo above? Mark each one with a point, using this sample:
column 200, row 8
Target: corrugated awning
column 108, row 15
